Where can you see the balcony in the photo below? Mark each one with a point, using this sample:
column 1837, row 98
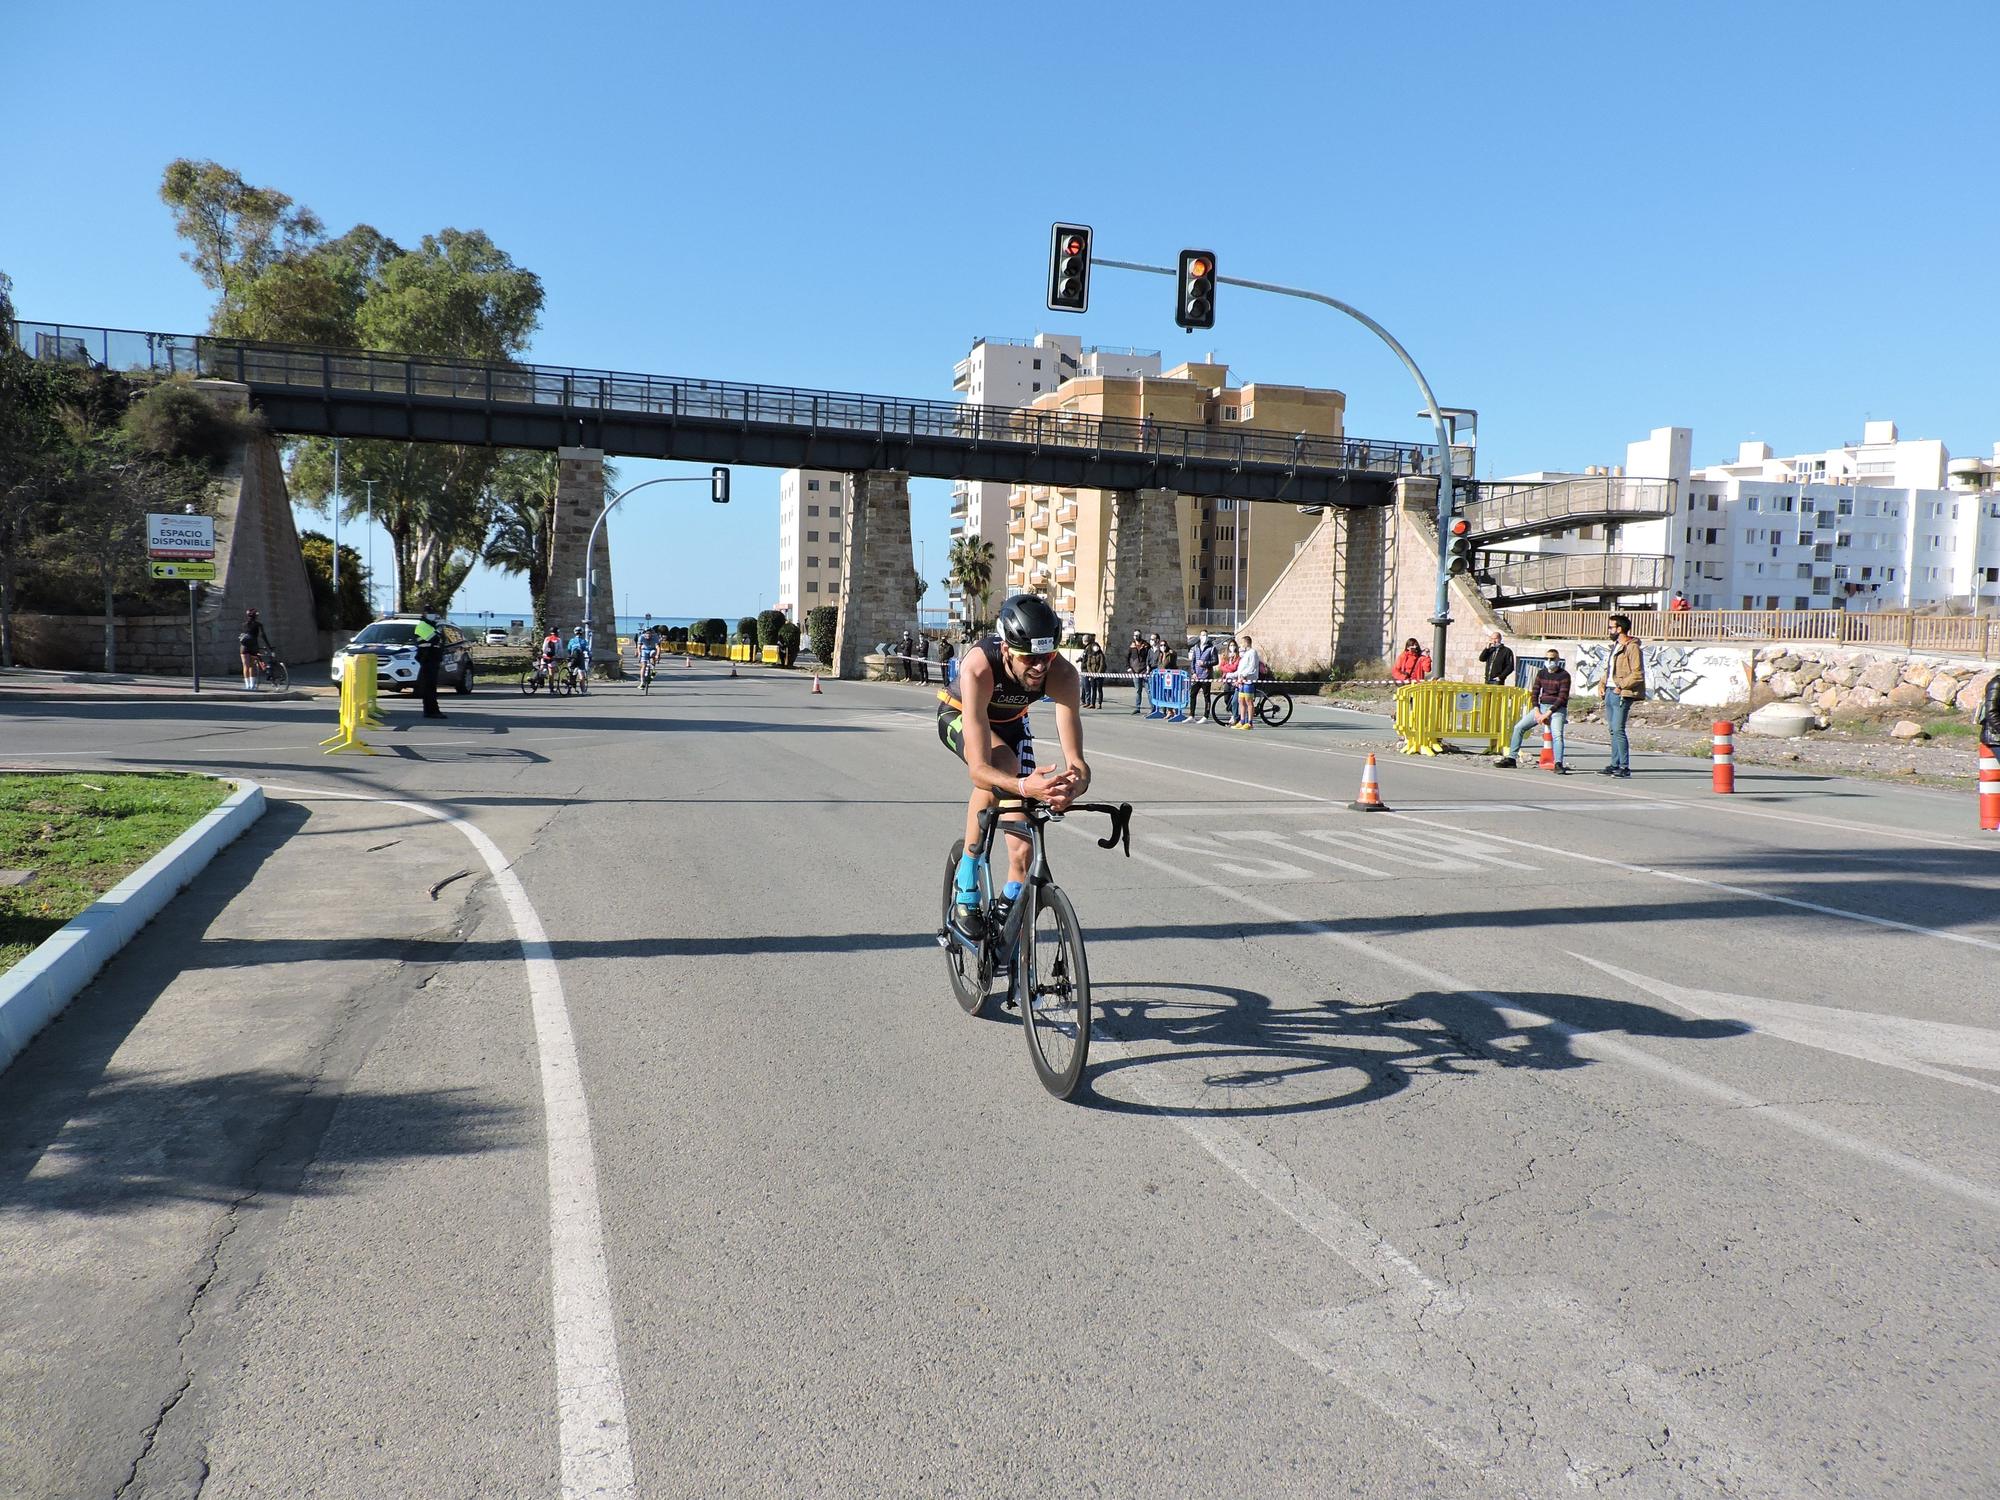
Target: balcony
column 1066, row 572
column 1017, row 552
column 961, row 375
column 1066, row 514
column 1016, row 526
column 1039, row 547
column 1040, row 519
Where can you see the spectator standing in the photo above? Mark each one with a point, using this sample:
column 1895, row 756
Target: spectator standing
column 1679, row 603
column 1499, row 659
column 1249, row 667
column 1989, row 716
column 1413, row 665
column 1093, row 667
column 1548, row 704
column 1136, row 656
column 1201, row 673
column 1624, row 685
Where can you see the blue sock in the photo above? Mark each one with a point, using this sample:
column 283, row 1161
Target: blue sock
column 967, row 879
column 1011, row 889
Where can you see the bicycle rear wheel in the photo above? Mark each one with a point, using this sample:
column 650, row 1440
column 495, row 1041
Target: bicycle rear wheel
column 1052, row 990
column 1222, row 707
column 1275, row 709
column 970, row 981
column 529, row 682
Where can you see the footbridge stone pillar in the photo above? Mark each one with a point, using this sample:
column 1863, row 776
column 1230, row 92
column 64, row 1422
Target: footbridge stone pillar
column 580, row 501
column 877, row 568
column 1148, row 590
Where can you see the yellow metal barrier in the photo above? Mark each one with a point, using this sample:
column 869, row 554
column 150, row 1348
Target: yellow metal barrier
column 1429, row 713
column 357, row 707
column 770, row 657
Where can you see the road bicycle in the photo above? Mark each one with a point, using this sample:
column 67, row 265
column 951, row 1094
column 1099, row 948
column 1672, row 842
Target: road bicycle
column 537, row 677
column 573, row 680
column 271, row 669
column 1035, row 941
column 646, row 667
column 1274, row 704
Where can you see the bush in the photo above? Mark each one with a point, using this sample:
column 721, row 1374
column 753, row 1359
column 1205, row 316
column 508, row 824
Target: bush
column 746, row 630
column 677, row 635
column 822, row 621
column 788, row 643
column 175, row 421
column 771, row 627
column 711, row 632
column 317, row 550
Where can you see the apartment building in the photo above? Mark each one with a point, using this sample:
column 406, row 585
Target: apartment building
column 1059, row 540
column 1885, row 522
column 810, row 503
column 1016, row 372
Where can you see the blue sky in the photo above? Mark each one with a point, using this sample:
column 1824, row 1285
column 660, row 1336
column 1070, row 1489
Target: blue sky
column 1584, row 220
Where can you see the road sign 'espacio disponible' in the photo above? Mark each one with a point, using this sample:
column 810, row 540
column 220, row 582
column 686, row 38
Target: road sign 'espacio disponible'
column 172, row 538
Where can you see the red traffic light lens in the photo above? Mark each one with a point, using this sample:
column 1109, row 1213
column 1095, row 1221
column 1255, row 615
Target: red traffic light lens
column 1073, row 245
column 1199, row 266
column 1459, row 527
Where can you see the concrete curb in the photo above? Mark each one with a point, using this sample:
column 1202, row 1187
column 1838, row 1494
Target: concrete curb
column 36, row 989
column 145, row 695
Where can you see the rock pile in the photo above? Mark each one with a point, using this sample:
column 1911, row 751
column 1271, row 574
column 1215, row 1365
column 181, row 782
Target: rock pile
column 1833, row 680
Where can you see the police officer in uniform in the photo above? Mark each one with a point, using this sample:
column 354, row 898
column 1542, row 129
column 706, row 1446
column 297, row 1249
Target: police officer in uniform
column 430, row 656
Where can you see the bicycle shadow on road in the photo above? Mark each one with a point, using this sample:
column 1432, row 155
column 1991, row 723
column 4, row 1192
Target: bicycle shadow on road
column 1197, row 1050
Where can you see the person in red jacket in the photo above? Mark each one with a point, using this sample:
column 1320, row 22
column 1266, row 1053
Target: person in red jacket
column 1414, row 665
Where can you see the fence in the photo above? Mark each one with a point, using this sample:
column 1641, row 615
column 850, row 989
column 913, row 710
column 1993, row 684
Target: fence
column 1951, row 635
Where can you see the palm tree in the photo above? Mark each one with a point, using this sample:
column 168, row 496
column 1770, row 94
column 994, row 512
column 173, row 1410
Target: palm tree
column 972, row 569
column 523, row 536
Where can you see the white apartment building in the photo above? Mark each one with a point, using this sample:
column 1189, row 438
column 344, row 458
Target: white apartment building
column 1883, row 523
column 1013, row 372
column 810, row 506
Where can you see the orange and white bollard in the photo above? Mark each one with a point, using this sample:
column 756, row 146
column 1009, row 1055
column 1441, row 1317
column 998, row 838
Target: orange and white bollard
column 1989, row 789
column 1725, row 756
column 1370, row 796
column 1548, row 760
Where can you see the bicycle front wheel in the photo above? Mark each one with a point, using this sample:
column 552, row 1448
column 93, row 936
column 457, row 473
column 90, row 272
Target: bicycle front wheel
column 529, row 682
column 1222, row 707
column 1275, row 709
column 1052, row 992
column 969, row 978
column 280, row 677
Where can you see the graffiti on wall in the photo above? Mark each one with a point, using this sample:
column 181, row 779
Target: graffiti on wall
column 1706, row 675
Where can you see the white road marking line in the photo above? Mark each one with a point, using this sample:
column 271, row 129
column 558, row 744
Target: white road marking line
column 1517, row 1016
column 1868, row 1036
column 593, row 1438
column 1417, row 1337
column 1547, row 848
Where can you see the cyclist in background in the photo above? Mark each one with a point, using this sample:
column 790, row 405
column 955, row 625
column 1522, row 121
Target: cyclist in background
column 983, row 720
column 649, row 650
column 1249, row 667
column 578, row 652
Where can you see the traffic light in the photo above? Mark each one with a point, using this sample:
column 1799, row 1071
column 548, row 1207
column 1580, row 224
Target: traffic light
column 1461, row 548
column 1195, row 306
column 718, row 485
column 1069, row 268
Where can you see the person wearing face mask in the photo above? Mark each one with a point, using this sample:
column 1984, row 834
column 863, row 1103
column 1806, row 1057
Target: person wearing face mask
column 1548, row 703
column 1624, row 685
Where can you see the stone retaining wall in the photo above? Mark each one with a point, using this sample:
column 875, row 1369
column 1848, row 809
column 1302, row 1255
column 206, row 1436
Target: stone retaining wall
column 1834, row 679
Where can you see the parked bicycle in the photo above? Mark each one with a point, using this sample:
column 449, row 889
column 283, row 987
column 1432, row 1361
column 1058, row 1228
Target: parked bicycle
column 1274, row 704
column 1036, row 941
column 537, row 677
column 575, row 679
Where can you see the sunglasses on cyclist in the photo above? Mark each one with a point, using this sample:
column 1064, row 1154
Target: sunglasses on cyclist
column 1032, row 658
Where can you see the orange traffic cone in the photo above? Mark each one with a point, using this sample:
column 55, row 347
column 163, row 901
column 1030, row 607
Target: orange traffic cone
column 1548, row 760
column 816, row 688
column 1370, row 799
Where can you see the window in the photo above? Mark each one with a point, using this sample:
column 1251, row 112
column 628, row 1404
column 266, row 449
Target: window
column 812, row 484
column 812, row 585
column 1821, row 586
column 1229, row 414
column 1840, row 570
column 812, row 510
column 1038, row 365
column 1753, row 536
column 1038, row 385
column 833, row 512
column 812, row 562
column 1798, row 603
column 1225, row 503
column 1805, row 570
column 1770, row 601
column 1711, row 534
column 1713, row 501
column 1888, row 575
column 1846, row 506
column 812, row 536
column 1753, row 503
column 1749, row 601
column 1843, row 539
column 833, row 536
column 1868, row 572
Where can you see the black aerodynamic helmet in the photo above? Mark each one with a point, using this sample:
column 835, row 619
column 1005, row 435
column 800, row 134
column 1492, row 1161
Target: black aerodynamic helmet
column 1028, row 624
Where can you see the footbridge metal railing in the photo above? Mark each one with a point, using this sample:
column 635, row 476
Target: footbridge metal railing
column 420, row 380
column 1501, row 512
column 1572, row 575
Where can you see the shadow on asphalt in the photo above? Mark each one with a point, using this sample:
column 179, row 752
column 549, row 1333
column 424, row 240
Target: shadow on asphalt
column 126, row 1138
column 1346, row 1054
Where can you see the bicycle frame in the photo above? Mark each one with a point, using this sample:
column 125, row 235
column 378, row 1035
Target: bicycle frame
column 999, row 948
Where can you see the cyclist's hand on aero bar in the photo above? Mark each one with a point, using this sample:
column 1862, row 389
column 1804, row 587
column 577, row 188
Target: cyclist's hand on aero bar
column 1052, row 787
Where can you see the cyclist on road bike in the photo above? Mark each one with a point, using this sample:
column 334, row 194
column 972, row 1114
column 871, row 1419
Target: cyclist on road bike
column 983, row 720
column 649, row 649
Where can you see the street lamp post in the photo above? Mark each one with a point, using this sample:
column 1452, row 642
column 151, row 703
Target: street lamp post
column 717, row 480
column 1441, row 614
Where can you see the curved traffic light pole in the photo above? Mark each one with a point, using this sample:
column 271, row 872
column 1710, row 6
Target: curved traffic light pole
column 1441, row 613
column 718, row 483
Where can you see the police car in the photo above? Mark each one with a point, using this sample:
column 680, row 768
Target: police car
column 393, row 644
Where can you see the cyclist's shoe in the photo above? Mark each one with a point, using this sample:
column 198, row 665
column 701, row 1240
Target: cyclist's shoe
column 996, row 915
column 967, row 915
column 1505, row 763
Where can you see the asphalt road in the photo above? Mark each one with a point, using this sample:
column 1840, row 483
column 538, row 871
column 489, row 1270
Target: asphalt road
column 1543, row 1136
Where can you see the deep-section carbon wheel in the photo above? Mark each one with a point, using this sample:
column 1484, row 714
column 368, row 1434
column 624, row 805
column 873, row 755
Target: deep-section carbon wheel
column 1052, row 992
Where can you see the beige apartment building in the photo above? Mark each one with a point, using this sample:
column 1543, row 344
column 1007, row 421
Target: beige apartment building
column 1057, row 539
